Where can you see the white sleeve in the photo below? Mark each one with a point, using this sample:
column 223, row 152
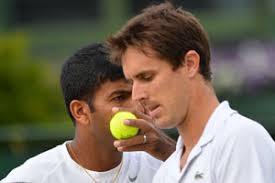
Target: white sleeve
column 23, row 173
column 247, row 155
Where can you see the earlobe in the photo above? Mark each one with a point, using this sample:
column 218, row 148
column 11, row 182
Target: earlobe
column 80, row 112
column 192, row 63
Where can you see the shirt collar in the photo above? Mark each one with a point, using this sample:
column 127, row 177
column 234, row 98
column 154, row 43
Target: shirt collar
column 216, row 120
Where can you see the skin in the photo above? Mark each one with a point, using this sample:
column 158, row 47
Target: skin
column 93, row 143
column 179, row 98
column 158, row 144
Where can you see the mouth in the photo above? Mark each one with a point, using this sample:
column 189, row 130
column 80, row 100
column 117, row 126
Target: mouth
column 154, row 111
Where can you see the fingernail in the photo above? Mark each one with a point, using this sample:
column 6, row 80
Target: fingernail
column 127, row 122
column 115, row 109
column 119, row 149
column 116, row 143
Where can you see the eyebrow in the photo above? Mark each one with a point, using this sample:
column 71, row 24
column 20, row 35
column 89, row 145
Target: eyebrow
column 121, row 91
column 138, row 75
column 143, row 73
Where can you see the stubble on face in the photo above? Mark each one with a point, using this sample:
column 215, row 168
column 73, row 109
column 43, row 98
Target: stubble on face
column 157, row 85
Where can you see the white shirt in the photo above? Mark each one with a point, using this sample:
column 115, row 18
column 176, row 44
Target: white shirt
column 232, row 149
column 57, row 166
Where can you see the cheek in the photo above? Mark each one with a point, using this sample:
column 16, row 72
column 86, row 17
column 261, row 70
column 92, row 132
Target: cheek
column 175, row 95
column 101, row 121
column 127, row 104
column 166, row 87
column 160, row 87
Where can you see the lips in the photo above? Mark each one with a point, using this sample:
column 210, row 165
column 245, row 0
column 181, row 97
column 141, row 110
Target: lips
column 154, row 111
column 151, row 108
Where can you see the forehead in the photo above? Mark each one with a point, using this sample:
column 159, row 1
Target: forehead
column 109, row 87
column 135, row 61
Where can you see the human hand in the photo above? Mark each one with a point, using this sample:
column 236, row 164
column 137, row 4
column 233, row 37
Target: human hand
column 149, row 139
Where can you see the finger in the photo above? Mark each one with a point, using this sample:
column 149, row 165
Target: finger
column 138, row 114
column 145, row 109
column 139, row 147
column 137, row 140
column 140, row 107
column 142, row 124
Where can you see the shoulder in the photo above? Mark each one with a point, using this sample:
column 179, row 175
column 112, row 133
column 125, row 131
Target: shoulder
column 231, row 126
column 38, row 167
column 241, row 135
column 241, row 130
column 244, row 145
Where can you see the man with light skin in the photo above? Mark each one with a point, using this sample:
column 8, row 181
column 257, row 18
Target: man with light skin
column 92, row 86
column 165, row 55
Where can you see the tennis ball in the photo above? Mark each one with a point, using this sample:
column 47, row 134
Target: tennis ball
column 117, row 127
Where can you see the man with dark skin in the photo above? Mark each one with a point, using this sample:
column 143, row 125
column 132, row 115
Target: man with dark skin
column 92, row 86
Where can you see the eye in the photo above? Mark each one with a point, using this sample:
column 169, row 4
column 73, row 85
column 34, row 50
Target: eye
column 121, row 98
column 147, row 77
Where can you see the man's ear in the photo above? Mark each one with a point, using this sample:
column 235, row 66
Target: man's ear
column 192, row 63
column 80, row 111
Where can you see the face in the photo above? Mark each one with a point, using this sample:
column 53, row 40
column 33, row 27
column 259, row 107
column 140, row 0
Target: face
column 162, row 90
column 109, row 95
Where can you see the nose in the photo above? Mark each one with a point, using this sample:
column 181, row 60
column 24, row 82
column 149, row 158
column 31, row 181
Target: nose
column 139, row 92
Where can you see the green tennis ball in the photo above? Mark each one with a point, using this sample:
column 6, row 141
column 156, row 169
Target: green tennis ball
column 118, row 129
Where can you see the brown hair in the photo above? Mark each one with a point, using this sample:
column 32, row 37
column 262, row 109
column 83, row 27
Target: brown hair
column 170, row 32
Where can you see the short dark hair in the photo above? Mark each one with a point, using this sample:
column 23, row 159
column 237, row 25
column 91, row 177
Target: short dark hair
column 170, row 32
column 84, row 72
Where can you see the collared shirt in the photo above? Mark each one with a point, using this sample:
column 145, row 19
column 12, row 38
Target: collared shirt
column 57, row 166
column 232, row 149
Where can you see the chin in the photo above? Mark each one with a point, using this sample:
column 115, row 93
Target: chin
column 163, row 123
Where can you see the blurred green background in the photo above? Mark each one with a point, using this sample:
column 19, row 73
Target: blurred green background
column 37, row 36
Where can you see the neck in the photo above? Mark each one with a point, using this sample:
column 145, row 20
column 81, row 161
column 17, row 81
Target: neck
column 201, row 107
column 93, row 155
